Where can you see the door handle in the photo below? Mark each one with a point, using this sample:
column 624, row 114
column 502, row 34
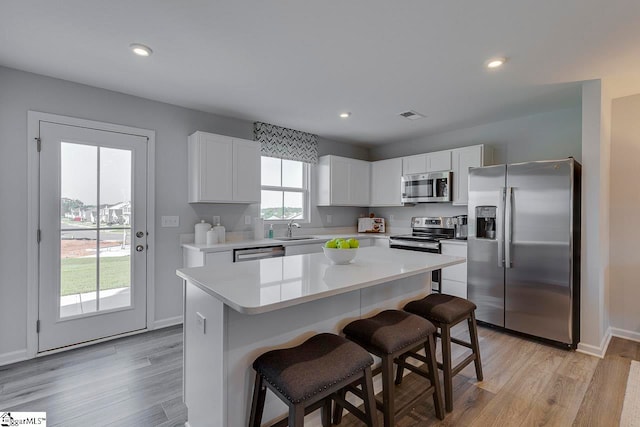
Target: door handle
column 500, row 231
column 139, row 248
column 508, row 229
column 140, row 234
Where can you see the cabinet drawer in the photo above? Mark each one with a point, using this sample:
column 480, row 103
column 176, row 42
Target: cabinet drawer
column 219, row 258
column 452, row 287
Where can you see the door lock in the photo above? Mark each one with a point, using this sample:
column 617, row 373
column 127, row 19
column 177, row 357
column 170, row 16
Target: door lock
column 139, row 248
column 140, row 234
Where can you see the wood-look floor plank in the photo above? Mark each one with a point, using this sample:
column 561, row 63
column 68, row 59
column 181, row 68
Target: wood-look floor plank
column 602, row 403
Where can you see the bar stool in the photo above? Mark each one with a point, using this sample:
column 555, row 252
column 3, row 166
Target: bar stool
column 388, row 335
column 308, row 376
column 446, row 311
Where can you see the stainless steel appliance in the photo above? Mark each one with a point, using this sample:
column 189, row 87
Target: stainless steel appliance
column 523, row 264
column 425, row 237
column 460, row 226
column 426, row 187
column 251, row 254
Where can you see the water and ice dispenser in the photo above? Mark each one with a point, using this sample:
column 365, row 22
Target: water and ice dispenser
column 486, row 222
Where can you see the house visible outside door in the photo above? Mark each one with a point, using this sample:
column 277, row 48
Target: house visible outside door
column 92, row 253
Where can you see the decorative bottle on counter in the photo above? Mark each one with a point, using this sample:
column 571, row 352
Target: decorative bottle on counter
column 221, row 232
column 212, row 237
column 201, row 232
column 271, row 231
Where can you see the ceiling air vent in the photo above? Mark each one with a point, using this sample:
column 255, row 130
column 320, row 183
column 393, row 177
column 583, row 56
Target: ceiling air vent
column 412, row 115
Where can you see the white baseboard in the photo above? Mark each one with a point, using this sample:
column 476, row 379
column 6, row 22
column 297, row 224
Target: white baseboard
column 627, row 335
column 165, row 323
column 13, row 357
column 600, row 351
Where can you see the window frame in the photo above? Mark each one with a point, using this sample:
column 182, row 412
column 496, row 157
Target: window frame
column 305, row 190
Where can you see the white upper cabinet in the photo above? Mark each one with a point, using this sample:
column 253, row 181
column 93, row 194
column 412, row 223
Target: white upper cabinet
column 246, row 171
column 463, row 159
column 385, row 182
column 430, row 162
column 223, row 169
column 343, row 181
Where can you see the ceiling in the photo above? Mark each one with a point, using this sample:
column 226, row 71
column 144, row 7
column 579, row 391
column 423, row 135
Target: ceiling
column 300, row 63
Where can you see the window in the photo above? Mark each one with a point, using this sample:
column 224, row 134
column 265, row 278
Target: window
column 285, row 190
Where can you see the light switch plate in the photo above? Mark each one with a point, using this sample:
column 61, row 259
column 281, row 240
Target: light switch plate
column 329, row 219
column 201, row 323
column 170, row 221
column 216, row 219
column 247, row 220
column 392, row 217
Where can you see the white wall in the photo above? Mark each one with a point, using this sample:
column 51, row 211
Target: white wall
column 625, row 211
column 544, row 136
column 596, row 141
column 21, row 91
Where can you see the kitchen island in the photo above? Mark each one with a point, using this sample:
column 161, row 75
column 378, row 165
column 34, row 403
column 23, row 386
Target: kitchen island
column 234, row 313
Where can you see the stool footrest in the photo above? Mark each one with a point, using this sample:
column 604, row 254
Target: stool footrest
column 459, row 367
column 350, row 407
column 462, row 343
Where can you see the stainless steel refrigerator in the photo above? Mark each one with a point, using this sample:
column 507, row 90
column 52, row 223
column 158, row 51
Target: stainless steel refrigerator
column 524, row 248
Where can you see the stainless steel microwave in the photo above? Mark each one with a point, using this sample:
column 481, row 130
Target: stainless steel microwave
column 428, row 187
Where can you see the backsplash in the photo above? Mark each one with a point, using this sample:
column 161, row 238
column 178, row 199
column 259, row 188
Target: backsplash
column 402, row 214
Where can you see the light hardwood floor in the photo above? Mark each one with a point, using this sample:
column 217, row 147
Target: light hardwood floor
column 132, row 381
column 137, row 381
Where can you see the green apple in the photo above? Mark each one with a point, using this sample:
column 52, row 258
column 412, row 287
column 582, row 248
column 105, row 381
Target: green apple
column 344, row 245
column 353, row 243
column 331, row 244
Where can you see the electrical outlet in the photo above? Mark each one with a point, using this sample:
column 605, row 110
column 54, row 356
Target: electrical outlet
column 329, row 219
column 216, row 219
column 170, row 221
column 201, row 323
column 392, row 217
column 247, row 220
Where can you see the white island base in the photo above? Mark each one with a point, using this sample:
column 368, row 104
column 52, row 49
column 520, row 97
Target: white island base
column 284, row 301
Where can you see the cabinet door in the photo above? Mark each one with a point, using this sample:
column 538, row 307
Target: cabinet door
column 303, row 249
column 218, row 258
column 414, row 164
column 439, row 161
column 385, row 182
column 340, row 173
column 246, row 171
column 359, row 182
column 214, row 156
column 463, row 159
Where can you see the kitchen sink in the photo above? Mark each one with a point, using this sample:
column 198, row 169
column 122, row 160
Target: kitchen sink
column 285, row 239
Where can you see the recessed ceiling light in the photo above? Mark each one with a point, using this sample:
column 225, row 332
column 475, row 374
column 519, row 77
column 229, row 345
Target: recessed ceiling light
column 345, row 115
column 140, row 49
column 496, row 62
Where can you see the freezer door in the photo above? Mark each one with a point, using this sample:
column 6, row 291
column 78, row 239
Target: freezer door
column 485, row 255
column 538, row 249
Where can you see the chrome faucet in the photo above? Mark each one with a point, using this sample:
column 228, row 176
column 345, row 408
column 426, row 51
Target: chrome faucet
column 290, row 228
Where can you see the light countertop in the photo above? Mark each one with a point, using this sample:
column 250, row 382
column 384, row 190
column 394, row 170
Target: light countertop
column 270, row 284
column 221, row 247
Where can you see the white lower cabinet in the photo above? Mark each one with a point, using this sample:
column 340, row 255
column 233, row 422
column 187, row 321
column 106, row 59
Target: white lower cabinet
column 303, row 249
column 197, row 258
column 454, row 278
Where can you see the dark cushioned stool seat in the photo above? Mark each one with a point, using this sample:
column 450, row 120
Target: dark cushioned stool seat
column 441, row 308
column 446, row 311
column 301, row 372
column 389, row 335
column 311, row 376
column 390, row 330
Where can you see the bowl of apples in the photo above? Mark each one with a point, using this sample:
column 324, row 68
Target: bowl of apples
column 341, row 251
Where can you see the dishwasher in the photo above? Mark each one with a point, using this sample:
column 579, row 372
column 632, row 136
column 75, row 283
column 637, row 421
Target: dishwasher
column 251, row 254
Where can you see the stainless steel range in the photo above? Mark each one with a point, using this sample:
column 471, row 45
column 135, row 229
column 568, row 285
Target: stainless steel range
column 425, row 237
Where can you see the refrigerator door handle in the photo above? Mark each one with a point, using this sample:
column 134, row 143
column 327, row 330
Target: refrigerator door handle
column 508, row 227
column 500, row 231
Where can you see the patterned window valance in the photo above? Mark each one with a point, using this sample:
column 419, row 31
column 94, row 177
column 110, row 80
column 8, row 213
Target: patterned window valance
column 290, row 144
